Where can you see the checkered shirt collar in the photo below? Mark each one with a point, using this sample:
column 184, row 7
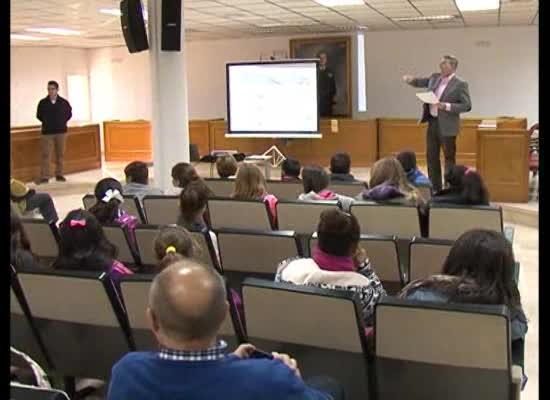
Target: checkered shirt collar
column 211, row 354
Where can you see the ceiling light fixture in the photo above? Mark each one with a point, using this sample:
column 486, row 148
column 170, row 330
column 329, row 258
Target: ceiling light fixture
column 477, row 5
column 425, row 18
column 55, row 31
column 340, row 3
column 15, row 36
column 116, row 12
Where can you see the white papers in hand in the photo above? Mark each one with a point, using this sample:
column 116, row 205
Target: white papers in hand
column 427, row 97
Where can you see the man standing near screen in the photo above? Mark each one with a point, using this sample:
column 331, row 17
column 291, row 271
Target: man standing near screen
column 443, row 117
column 327, row 87
column 54, row 112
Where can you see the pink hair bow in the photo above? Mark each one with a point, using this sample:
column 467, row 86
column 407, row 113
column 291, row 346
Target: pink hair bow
column 77, row 222
column 469, row 171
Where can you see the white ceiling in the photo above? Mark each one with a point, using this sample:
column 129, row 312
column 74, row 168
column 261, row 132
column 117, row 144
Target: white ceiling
column 217, row 19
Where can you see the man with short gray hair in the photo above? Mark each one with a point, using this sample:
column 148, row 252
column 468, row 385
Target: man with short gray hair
column 187, row 306
column 443, row 118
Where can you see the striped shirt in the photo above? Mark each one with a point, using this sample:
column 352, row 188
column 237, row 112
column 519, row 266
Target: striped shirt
column 211, row 354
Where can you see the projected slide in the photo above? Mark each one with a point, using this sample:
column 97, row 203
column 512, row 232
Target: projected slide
column 273, row 98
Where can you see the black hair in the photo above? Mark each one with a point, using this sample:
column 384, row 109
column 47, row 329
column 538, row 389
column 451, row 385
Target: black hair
column 138, row 172
column 184, row 173
column 340, row 163
column 291, row 167
column 106, row 212
column 469, row 183
column 338, row 232
column 407, row 159
column 83, row 245
column 486, row 257
column 314, row 178
column 53, row 83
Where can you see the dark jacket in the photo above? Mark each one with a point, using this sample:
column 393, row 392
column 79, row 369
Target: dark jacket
column 54, row 117
column 456, row 94
column 343, row 178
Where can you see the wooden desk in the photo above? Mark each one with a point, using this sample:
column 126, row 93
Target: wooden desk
column 398, row 134
column 357, row 137
column 132, row 140
column 82, row 150
column 503, row 162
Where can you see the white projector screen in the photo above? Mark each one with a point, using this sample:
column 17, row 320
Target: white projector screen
column 273, row 99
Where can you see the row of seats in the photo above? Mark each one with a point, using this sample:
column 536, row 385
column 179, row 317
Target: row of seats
column 426, row 255
column 322, row 329
column 444, row 221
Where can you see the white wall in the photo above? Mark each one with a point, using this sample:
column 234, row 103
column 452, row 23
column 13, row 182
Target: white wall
column 503, row 77
column 31, row 69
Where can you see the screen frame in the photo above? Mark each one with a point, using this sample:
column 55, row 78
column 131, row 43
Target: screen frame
column 271, row 134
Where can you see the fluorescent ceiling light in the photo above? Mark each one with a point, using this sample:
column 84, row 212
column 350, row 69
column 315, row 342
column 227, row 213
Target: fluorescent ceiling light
column 339, row 3
column 426, row 18
column 116, row 12
column 16, row 36
column 55, row 31
column 477, row 5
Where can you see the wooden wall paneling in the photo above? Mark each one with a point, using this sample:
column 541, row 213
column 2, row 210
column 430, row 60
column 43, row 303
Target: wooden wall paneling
column 503, row 162
column 128, row 141
column 199, row 134
column 82, row 151
column 398, row 134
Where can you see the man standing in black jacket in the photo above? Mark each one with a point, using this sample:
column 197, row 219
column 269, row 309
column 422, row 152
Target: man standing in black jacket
column 54, row 112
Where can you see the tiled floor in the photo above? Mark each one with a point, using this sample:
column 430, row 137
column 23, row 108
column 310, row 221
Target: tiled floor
column 68, row 196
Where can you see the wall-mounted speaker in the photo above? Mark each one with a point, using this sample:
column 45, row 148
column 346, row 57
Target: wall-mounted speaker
column 133, row 25
column 171, row 25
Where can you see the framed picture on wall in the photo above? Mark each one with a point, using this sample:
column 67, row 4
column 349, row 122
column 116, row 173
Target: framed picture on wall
column 334, row 53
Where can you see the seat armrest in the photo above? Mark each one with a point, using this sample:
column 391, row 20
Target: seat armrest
column 517, row 376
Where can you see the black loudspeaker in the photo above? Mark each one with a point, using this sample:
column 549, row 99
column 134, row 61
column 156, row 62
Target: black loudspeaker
column 133, row 25
column 171, row 25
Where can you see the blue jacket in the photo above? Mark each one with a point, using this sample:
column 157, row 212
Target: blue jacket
column 417, row 178
column 145, row 376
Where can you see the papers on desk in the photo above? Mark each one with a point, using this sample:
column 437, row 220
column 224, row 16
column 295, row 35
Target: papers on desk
column 427, row 97
column 258, row 158
column 488, row 123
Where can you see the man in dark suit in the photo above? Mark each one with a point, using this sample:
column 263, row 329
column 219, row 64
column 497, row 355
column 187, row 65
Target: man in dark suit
column 444, row 117
column 54, row 112
column 327, row 87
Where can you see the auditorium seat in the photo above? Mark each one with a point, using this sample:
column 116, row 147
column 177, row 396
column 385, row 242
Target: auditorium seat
column 43, row 236
column 285, row 190
column 79, row 318
column 351, row 189
column 451, row 221
column 383, row 256
column 255, row 252
column 323, row 329
column 301, row 216
column 117, row 235
column 135, row 292
column 434, row 351
column 382, row 219
column 426, row 257
column 131, row 205
column 27, row 392
column 161, row 209
column 425, row 192
column 23, row 334
column 221, row 187
column 145, row 237
column 239, row 214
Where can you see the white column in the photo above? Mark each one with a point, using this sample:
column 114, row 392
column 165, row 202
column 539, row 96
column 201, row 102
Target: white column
column 169, row 124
